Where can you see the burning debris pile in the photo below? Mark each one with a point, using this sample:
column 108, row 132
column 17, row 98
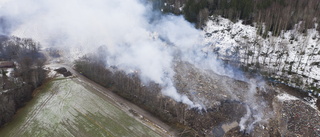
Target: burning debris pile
column 246, row 108
column 235, row 101
column 297, row 118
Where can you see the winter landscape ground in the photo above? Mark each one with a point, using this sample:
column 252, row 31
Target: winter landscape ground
column 291, row 58
column 70, row 107
column 131, row 68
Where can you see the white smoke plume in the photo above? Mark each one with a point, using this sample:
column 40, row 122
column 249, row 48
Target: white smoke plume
column 123, row 27
column 133, row 37
column 255, row 109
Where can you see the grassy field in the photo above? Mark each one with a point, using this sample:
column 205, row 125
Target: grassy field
column 63, row 107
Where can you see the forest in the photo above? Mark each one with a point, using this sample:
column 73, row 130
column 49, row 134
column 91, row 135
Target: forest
column 28, row 74
column 276, row 15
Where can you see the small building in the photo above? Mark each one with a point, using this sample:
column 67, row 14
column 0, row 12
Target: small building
column 7, row 64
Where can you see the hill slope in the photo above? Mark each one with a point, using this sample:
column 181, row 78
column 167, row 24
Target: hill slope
column 68, row 107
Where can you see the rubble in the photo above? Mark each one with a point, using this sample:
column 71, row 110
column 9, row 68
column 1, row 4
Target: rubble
column 287, row 111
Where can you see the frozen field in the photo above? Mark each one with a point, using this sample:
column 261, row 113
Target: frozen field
column 64, row 107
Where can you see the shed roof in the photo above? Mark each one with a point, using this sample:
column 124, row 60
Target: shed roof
column 6, row 64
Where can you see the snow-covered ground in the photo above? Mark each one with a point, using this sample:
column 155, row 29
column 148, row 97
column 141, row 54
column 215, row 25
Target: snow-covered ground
column 292, row 58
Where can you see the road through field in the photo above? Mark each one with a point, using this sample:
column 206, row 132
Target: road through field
column 122, row 103
column 76, row 106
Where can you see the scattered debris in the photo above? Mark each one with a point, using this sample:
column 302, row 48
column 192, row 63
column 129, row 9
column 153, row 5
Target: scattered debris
column 63, row 71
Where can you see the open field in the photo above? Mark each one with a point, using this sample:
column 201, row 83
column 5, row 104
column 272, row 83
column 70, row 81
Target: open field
column 65, row 107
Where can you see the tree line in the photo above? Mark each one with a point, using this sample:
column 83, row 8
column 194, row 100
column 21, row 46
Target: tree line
column 276, row 15
column 28, row 74
column 29, row 61
column 188, row 121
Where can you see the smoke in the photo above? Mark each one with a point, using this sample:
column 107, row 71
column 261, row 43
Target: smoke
column 244, row 119
column 256, row 108
column 134, row 36
column 124, row 27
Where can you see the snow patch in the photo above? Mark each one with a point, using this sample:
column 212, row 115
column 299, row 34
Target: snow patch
column 286, row 97
column 292, row 56
column 10, row 72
